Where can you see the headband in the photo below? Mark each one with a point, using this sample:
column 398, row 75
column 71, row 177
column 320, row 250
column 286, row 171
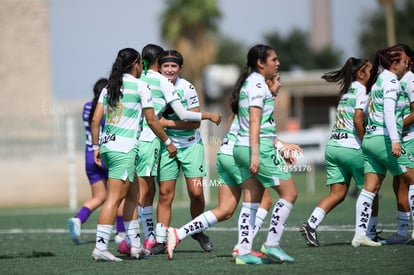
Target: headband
column 171, row 59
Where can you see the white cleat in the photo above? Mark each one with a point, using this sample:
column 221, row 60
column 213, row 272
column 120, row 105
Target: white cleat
column 74, row 226
column 104, row 256
column 139, row 252
column 362, row 240
column 172, row 241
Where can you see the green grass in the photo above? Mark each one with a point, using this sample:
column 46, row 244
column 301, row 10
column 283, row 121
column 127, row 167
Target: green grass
column 43, row 245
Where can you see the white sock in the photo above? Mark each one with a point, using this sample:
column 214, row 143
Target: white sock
column 148, row 223
column 411, row 202
column 316, row 217
column 280, row 214
column 363, row 211
column 372, row 227
column 260, row 217
column 402, row 223
column 132, row 231
column 161, row 233
column 139, row 211
column 197, row 225
column 103, row 235
column 245, row 227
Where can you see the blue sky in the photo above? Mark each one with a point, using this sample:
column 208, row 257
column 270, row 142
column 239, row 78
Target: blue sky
column 85, row 35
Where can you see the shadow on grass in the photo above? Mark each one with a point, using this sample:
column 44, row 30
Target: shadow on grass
column 33, row 254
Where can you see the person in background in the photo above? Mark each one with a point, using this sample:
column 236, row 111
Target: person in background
column 97, row 175
column 123, row 103
column 343, row 157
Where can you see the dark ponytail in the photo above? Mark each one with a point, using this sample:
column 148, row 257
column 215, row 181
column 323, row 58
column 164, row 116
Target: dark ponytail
column 383, row 58
column 123, row 64
column 347, row 74
column 257, row 52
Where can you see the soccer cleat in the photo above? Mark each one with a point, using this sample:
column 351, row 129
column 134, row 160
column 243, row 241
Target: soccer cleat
column 158, row 248
column 395, row 239
column 377, row 237
column 172, row 241
column 148, row 244
column 277, row 253
column 309, row 234
column 74, row 226
column 204, row 241
column 139, row 252
column 250, row 259
column 124, row 248
column 104, row 255
column 119, row 237
column 362, row 240
column 235, row 252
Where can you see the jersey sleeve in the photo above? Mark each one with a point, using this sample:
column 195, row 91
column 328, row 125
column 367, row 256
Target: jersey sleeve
column 391, row 88
column 168, row 90
column 361, row 100
column 191, row 97
column 102, row 96
column 146, row 97
column 257, row 94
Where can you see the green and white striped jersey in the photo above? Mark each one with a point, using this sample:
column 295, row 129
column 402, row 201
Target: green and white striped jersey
column 163, row 93
column 256, row 93
column 343, row 131
column 122, row 124
column 189, row 99
column 386, row 86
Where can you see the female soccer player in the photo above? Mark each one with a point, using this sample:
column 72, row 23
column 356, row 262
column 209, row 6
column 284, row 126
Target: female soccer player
column 343, row 157
column 382, row 141
column 97, row 175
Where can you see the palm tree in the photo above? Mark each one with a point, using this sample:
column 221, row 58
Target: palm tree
column 189, row 27
column 389, row 19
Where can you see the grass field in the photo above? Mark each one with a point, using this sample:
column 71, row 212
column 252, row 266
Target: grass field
column 36, row 241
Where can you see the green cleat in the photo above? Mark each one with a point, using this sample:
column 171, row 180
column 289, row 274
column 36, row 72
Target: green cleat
column 277, row 253
column 250, row 259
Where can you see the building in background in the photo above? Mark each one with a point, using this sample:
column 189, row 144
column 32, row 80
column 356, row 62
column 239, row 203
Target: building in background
column 25, row 75
column 321, row 24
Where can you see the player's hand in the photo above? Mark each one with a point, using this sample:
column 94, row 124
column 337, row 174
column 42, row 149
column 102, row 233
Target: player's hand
column 97, row 157
column 172, row 150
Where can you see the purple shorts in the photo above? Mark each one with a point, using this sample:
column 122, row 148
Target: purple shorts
column 93, row 171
